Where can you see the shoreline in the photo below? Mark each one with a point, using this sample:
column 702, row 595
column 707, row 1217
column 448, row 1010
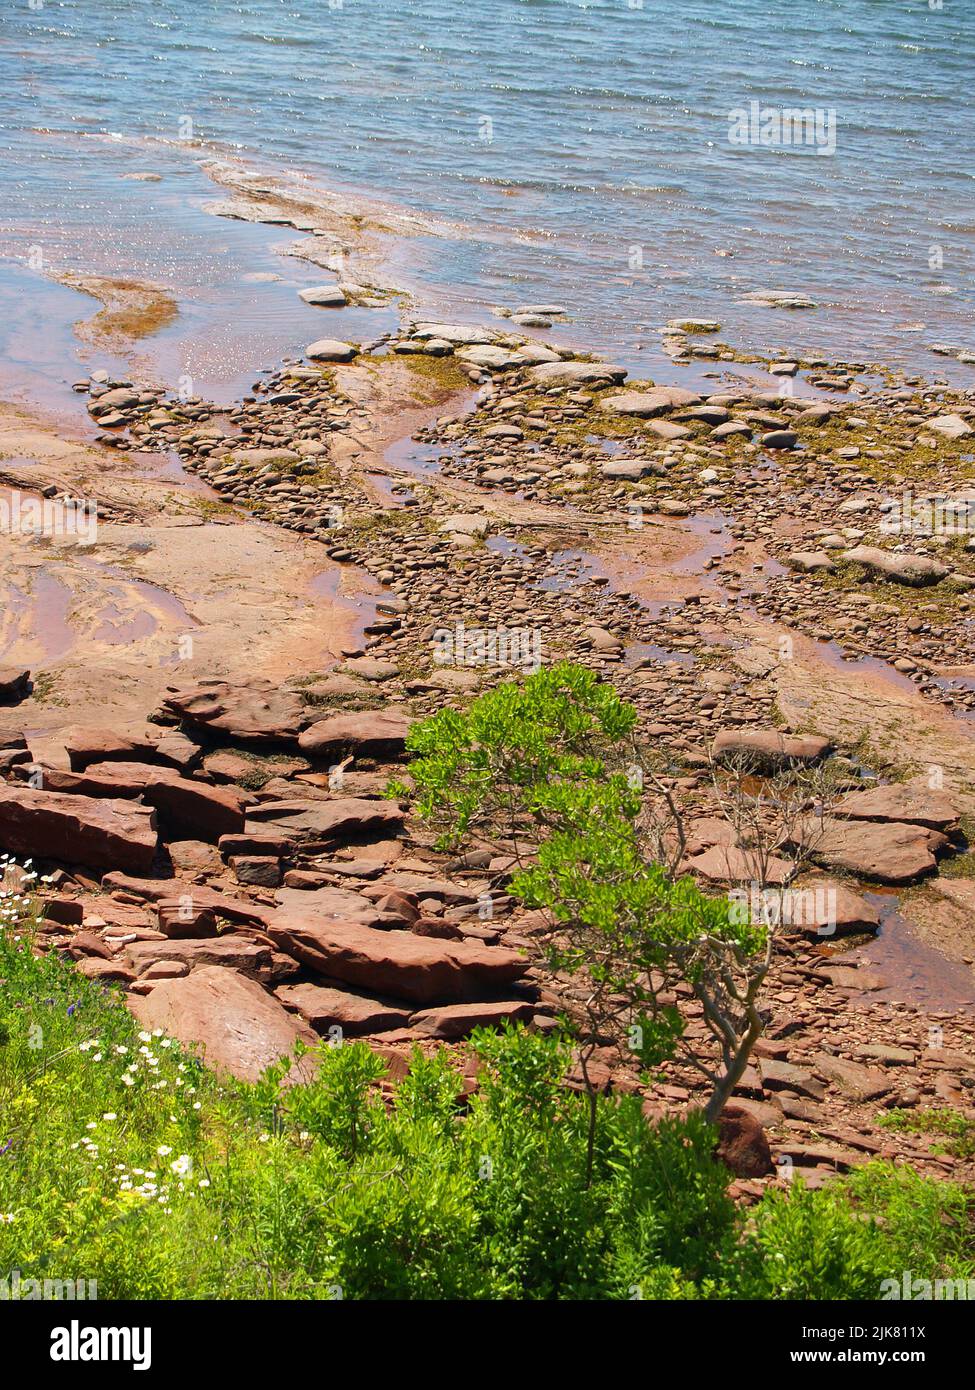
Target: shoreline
column 524, row 488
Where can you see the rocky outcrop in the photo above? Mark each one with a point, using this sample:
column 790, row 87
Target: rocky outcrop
column 400, row 964
column 253, row 712
column 95, row 832
column 237, row 1027
column 14, row 685
column 371, row 734
column 186, row 805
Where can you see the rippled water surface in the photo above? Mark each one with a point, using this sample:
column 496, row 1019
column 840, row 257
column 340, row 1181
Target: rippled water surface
column 579, row 152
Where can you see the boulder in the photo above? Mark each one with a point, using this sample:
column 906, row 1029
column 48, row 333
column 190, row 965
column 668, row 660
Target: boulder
column 330, row 350
column 15, row 684
column 427, row 970
column 950, row 426
column 916, row 570
column 575, row 374
column 646, row 404
column 366, row 733
column 628, row 470
column 327, row 296
column 252, row 712
column 95, row 832
column 742, row 1144
column 768, row 748
column 239, row 1029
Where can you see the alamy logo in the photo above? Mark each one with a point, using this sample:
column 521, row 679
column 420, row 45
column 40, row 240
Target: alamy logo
column 934, row 515
column 811, row 908
column 24, row 515
column 783, row 127
column 77, row 1343
column 927, row 1290
column 519, row 647
column 46, row 1290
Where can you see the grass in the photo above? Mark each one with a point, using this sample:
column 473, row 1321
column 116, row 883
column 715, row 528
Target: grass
column 125, row 1162
column 954, row 1133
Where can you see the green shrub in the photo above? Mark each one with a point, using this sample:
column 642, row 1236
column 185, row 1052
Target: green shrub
column 124, row 1161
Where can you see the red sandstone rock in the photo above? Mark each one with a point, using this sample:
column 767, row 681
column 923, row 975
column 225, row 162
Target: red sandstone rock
column 396, row 963
column 451, row 1021
column 252, row 712
column 742, row 1145
column 99, row 833
column 239, row 1028
column 324, row 1008
column 369, row 733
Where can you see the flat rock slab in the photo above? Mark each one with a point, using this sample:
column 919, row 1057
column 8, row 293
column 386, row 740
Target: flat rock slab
column 647, row 404
column 232, row 950
column 342, row 818
column 239, row 1028
column 93, row 745
column 93, row 831
column 331, row 902
column 398, row 964
column 575, row 373
column 893, row 852
column 783, row 1076
column 913, row 802
column 852, row 1078
column 377, row 733
column 729, row 864
column 252, row 712
column 453, row 1021
column 355, row 1015
column 194, row 896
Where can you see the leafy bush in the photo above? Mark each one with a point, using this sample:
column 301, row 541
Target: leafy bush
column 551, row 762
column 124, row 1161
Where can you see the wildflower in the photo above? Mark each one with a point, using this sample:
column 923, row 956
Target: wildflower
column 182, row 1165
column 110, row 1115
